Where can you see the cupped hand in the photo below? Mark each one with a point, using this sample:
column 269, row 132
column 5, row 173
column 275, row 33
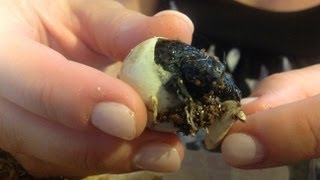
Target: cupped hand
column 61, row 115
column 283, row 125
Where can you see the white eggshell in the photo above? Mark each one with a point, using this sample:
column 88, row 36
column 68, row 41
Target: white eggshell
column 140, row 71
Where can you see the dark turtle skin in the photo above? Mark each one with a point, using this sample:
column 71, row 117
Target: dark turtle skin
column 199, row 80
column 199, row 72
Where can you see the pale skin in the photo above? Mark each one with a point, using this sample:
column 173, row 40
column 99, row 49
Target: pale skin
column 51, row 56
column 283, row 119
column 52, row 53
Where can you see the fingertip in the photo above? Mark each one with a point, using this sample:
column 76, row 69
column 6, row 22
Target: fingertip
column 159, row 157
column 115, row 119
column 240, row 150
column 248, row 100
column 122, row 113
column 160, row 152
column 131, row 30
column 252, row 105
column 173, row 25
column 178, row 16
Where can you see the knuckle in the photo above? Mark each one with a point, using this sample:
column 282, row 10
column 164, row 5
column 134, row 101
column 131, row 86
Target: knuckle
column 9, row 134
column 313, row 124
column 46, row 99
column 88, row 158
column 56, row 106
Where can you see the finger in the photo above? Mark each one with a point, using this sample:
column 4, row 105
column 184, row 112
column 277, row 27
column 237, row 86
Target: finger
column 111, row 29
column 45, row 83
column 91, row 33
column 282, row 135
column 284, row 88
column 89, row 152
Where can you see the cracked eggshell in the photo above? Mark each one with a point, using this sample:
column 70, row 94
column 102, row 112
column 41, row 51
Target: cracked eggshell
column 140, row 71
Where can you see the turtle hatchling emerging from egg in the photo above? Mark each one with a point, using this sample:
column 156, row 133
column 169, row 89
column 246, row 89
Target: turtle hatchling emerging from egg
column 184, row 89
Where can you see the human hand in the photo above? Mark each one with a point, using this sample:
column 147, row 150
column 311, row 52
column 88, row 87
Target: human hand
column 283, row 123
column 61, row 115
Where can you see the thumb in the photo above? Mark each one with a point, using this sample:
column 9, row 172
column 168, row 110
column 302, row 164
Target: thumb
column 114, row 30
column 283, row 122
column 279, row 136
column 283, row 88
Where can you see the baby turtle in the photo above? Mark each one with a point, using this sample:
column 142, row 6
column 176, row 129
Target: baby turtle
column 184, row 89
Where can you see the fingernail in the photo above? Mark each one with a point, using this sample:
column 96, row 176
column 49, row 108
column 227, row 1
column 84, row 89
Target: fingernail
column 158, row 157
column 114, row 119
column 239, row 149
column 184, row 17
column 248, row 100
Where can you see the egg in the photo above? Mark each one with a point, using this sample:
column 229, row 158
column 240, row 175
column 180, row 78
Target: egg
column 184, row 89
